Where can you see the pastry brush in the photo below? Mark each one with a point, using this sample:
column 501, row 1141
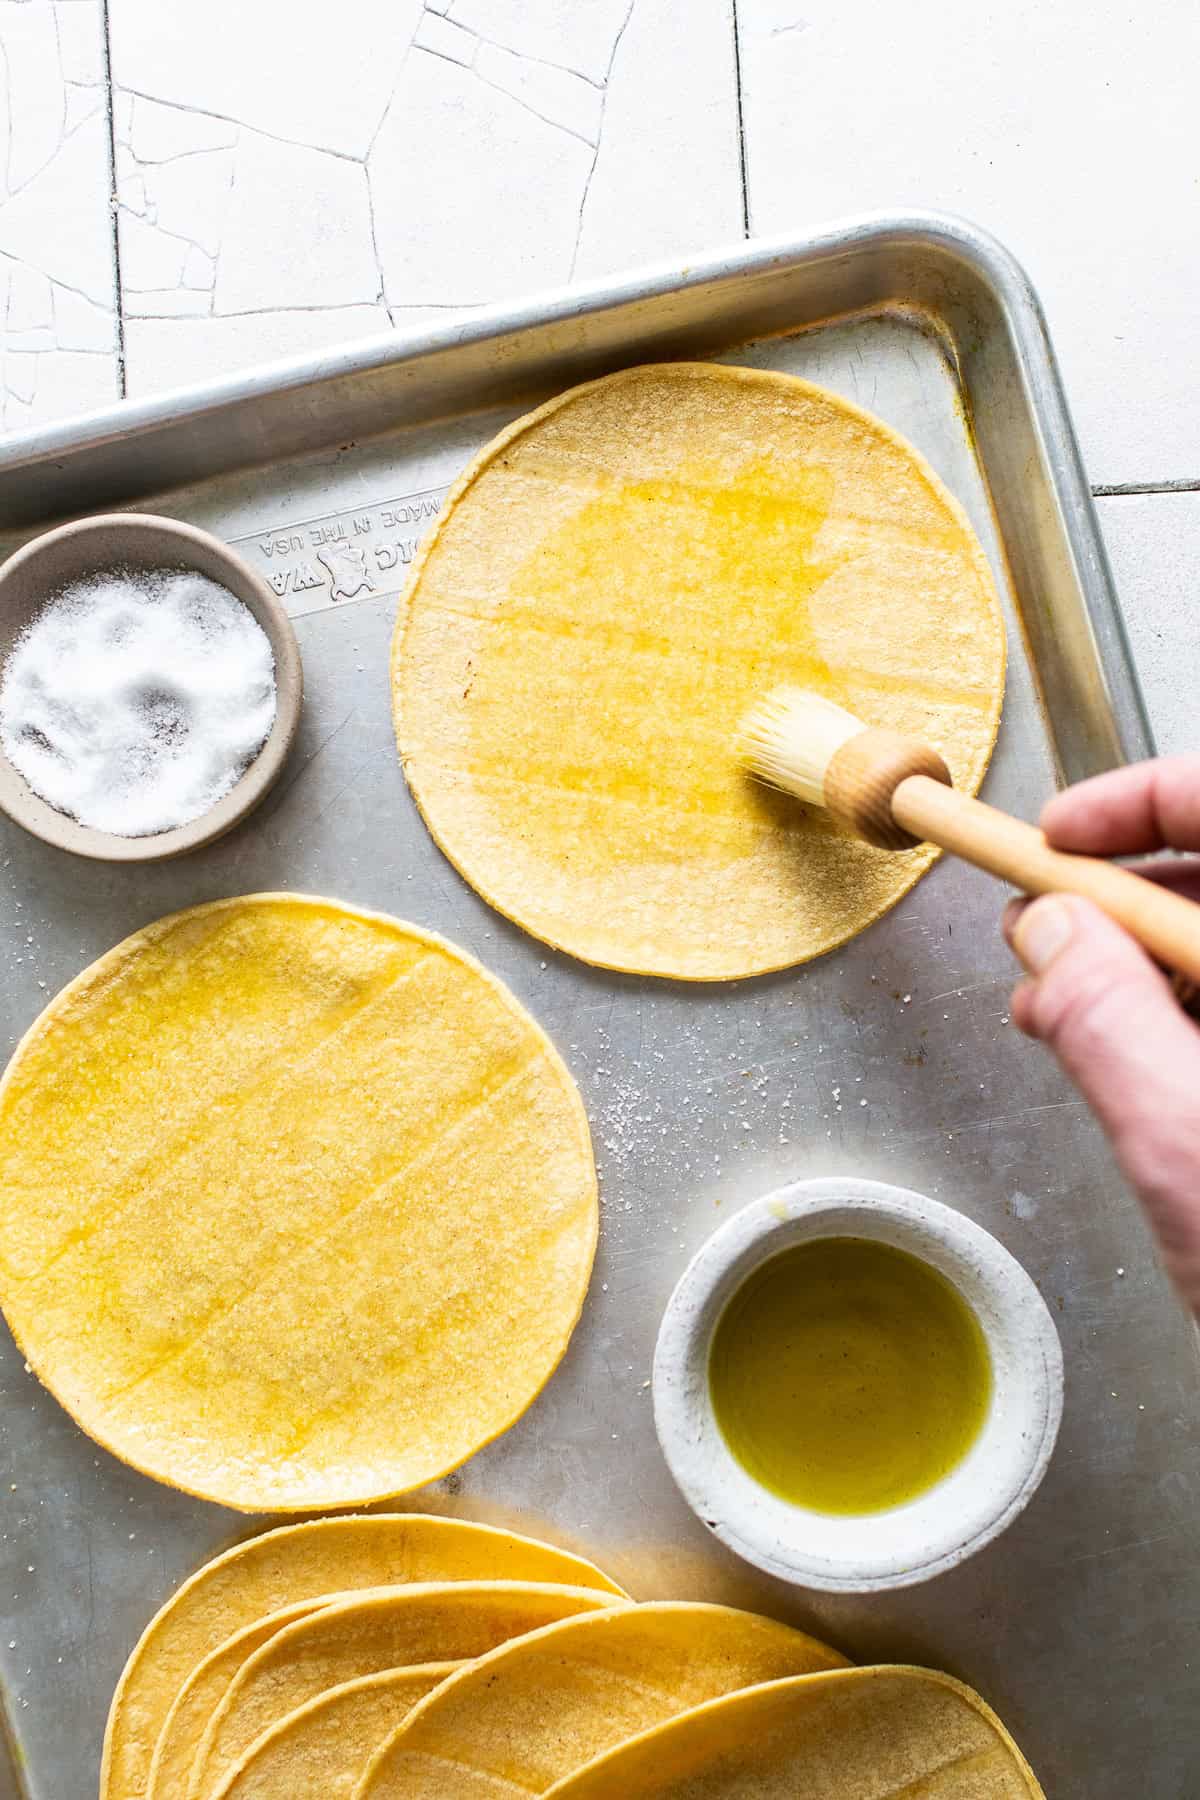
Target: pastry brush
column 895, row 792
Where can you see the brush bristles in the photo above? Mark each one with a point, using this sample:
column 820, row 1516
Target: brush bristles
column 790, row 738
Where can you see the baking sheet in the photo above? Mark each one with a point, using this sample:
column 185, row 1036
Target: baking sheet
column 893, row 1058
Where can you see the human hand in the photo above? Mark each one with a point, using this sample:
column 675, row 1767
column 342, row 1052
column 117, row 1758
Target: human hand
column 1107, row 1011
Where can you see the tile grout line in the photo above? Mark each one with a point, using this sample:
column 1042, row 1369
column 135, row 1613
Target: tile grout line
column 741, row 121
column 113, row 208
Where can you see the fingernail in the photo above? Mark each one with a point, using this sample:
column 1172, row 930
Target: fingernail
column 1010, row 917
column 1041, row 933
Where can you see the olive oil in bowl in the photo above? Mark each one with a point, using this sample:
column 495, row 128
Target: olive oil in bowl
column 848, row 1376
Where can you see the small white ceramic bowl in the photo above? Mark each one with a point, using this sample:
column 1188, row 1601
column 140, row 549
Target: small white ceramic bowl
column 109, row 541
column 943, row 1526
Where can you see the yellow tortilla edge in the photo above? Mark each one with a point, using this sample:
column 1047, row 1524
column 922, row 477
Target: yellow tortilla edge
column 197, row 1578
column 483, row 459
column 440, row 1671
column 99, row 969
column 597, row 1769
column 366, row 1601
column 295, row 1613
column 283, row 1615
column 481, row 1667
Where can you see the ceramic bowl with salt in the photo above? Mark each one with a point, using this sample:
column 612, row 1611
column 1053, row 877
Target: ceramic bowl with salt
column 142, row 549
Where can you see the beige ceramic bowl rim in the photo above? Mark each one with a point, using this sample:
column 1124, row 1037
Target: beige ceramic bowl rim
column 942, row 1527
column 182, row 546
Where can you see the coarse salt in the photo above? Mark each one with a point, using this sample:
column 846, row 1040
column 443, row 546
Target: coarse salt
column 135, row 699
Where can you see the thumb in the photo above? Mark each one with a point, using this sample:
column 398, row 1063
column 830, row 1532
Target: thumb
column 1109, row 1016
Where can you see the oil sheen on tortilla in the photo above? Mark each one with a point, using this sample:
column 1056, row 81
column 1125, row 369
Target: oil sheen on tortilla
column 300, row 1204
column 611, row 583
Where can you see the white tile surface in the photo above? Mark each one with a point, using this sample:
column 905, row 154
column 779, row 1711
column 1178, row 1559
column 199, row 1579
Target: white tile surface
column 1068, row 129
column 558, row 96
column 1154, row 544
column 267, row 254
column 302, row 70
column 34, row 90
column 156, row 133
column 500, row 217
column 219, row 346
column 442, row 37
column 513, row 146
column 667, row 177
column 294, row 179
column 56, row 269
column 569, row 34
column 189, row 196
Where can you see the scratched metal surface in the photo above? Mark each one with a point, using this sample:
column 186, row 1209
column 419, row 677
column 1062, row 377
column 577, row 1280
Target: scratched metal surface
column 893, row 1058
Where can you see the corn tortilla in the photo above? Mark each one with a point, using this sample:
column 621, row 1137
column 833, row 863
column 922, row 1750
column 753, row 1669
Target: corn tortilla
column 323, row 1747
column 518, row 1720
column 293, row 1564
column 392, row 1628
column 612, row 581
column 874, row 1734
column 194, row 1704
column 300, row 1204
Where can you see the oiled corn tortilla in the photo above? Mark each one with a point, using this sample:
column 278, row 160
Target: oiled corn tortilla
column 284, row 1569
column 299, row 1203
column 516, row 1721
column 854, row 1734
column 612, row 582
column 322, row 1748
column 392, row 1628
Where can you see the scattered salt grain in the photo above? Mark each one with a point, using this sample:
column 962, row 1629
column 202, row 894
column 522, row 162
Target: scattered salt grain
column 135, row 699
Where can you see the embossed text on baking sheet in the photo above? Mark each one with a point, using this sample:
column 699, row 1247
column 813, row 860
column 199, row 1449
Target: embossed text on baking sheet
column 350, row 555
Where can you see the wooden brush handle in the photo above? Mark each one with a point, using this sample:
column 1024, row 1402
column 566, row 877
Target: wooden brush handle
column 895, row 792
column 1164, row 923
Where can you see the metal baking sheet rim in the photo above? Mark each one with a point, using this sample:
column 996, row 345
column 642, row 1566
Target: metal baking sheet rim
column 967, row 287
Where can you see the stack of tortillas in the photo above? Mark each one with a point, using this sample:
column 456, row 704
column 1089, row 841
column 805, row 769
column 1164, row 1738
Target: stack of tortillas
column 394, row 1655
